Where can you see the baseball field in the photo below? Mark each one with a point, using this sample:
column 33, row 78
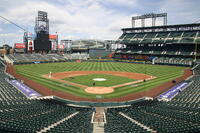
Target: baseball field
column 105, row 79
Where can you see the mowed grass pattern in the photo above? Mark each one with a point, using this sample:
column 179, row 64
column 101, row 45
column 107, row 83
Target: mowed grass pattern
column 163, row 74
column 88, row 80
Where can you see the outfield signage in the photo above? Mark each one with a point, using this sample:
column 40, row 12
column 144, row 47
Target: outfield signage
column 20, row 45
column 174, row 91
column 24, row 89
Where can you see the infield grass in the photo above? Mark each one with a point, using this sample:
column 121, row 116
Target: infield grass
column 88, row 80
column 163, row 74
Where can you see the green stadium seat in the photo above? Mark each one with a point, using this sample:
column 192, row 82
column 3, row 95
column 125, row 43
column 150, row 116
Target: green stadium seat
column 140, row 35
column 146, row 41
column 162, row 35
column 128, row 37
column 158, row 41
column 122, row 36
column 150, row 35
column 175, row 34
column 171, row 41
column 197, row 40
column 187, row 40
column 190, row 34
column 136, row 41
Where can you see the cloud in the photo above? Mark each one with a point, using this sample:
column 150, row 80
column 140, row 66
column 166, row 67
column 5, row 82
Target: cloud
column 97, row 19
column 123, row 2
column 181, row 11
column 6, row 37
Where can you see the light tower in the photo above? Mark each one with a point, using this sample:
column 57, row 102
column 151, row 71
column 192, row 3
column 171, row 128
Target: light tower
column 153, row 16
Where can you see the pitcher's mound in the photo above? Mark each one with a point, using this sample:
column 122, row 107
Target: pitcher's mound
column 99, row 90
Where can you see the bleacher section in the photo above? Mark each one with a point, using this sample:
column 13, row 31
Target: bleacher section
column 117, row 123
column 160, row 37
column 174, row 61
column 79, row 123
column 36, row 58
column 43, row 58
column 181, row 114
column 18, row 114
column 170, row 44
column 76, row 56
column 85, row 44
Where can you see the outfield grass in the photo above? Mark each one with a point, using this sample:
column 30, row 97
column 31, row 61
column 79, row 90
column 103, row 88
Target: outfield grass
column 88, row 80
column 163, row 74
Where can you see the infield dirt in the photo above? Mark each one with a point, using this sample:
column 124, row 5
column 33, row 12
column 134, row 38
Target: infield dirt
column 99, row 90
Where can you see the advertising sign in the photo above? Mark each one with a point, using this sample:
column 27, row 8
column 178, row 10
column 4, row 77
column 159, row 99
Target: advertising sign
column 52, row 37
column 20, row 45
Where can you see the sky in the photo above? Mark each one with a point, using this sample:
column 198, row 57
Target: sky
column 89, row 19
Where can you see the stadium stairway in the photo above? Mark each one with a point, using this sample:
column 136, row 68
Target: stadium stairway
column 98, row 120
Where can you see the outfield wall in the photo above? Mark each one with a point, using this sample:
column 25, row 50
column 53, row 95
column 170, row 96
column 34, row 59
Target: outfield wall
column 99, row 60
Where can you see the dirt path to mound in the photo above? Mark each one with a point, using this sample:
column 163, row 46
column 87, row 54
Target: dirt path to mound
column 98, row 90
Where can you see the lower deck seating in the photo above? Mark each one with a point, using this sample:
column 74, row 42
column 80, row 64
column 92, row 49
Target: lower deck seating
column 18, row 114
column 182, row 114
column 78, row 123
column 116, row 123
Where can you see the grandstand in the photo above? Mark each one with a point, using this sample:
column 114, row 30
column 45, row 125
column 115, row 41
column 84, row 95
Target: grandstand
column 39, row 58
column 83, row 46
column 168, row 44
column 95, row 48
column 21, row 114
column 77, row 56
column 181, row 114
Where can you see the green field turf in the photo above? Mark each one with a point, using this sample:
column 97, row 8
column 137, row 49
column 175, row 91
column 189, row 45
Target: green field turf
column 88, row 80
column 163, row 74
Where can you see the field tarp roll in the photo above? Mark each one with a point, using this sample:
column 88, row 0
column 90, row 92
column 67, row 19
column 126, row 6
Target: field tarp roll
column 24, row 89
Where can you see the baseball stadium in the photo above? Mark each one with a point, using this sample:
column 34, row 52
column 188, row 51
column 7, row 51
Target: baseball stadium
column 148, row 84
